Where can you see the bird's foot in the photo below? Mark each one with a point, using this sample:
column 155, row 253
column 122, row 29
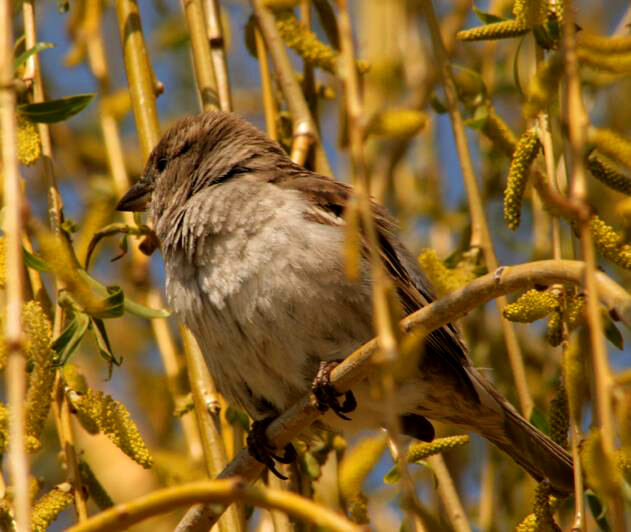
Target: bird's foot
column 326, row 394
column 260, row 447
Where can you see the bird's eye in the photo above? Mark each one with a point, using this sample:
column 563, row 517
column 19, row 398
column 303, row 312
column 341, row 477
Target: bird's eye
column 161, row 164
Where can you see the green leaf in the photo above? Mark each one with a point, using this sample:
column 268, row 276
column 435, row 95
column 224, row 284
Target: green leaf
column 598, row 510
column 130, row 306
column 103, row 344
column 234, row 416
column 393, row 476
column 69, row 339
column 113, row 304
column 23, row 57
column 479, row 118
column 55, row 110
column 311, row 465
column 487, row 18
column 539, row 420
column 612, row 332
column 35, row 262
column 438, row 106
column 516, row 67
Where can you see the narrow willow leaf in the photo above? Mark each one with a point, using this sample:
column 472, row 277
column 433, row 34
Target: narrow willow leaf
column 487, row 18
column 612, row 332
column 55, row 110
column 23, row 57
column 539, row 420
column 113, row 305
column 599, row 512
column 69, row 339
column 35, row 262
column 103, row 343
column 130, row 306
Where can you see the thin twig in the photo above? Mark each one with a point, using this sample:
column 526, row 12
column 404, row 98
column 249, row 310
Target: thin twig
column 15, row 376
column 577, row 128
column 480, row 235
column 270, row 107
column 214, row 28
column 448, row 494
column 202, row 62
column 448, row 309
column 55, row 209
column 218, row 491
column 305, row 131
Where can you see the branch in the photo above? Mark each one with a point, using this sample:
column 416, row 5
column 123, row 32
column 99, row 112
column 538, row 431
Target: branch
column 226, row 491
column 503, row 281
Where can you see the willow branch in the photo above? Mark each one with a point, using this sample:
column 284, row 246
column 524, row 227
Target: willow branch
column 577, row 129
column 269, row 101
column 437, row 314
column 15, row 376
column 217, row 41
column 480, row 235
column 202, row 62
column 215, row 491
column 305, row 131
column 448, row 494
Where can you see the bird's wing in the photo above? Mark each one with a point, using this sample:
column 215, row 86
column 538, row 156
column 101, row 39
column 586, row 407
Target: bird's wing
column 330, row 198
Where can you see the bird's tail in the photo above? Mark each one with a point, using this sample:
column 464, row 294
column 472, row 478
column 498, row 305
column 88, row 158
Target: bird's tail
column 524, row 443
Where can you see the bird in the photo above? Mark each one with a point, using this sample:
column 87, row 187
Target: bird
column 254, row 251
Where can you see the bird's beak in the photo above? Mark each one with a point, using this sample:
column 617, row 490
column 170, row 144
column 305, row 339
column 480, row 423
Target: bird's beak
column 136, row 198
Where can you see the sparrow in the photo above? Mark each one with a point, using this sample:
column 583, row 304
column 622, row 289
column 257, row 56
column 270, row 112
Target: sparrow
column 254, row 252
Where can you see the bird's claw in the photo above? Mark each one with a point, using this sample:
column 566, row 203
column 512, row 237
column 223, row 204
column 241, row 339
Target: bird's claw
column 326, row 394
column 260, row 447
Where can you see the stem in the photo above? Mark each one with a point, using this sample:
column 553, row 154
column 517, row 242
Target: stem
column 305, row 131
column 480, row 236
column 215, row 31
column 448, row 494
column 216, row 491
column 448, row 309
column 577, row 128
column 202, row 62
column 139, row 75
column 207, row 412
column 15, row 377
column 55, row 209
column 269, row 101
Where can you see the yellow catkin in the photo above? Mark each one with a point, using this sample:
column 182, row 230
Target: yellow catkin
column 574, row 375
column 612, row 145
column 610, row 244
column 622, row 460
column 110, row 417
column 497, row 30
column 530, row 13
column 623, row 411
column 56, row 253
column 600, row 470
column 574, row 307
column 2, row 263
column 542, row 90
column 96, row 490
column 3, row 346
column 4, row 428
column 607, row 174
column 48, row 507
column 498, row 131
column 606, row 62
column 610, row 45
column 305, row 43
column 444, row 280
column 354, row 469
column 29, row 147
column 526, row 151
column 541, row 520
column 554, row 332
column 421, row 450
column 400, row 123
column 531, row 306
column 560, row 417
column 6, row 517
column 38, row 332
